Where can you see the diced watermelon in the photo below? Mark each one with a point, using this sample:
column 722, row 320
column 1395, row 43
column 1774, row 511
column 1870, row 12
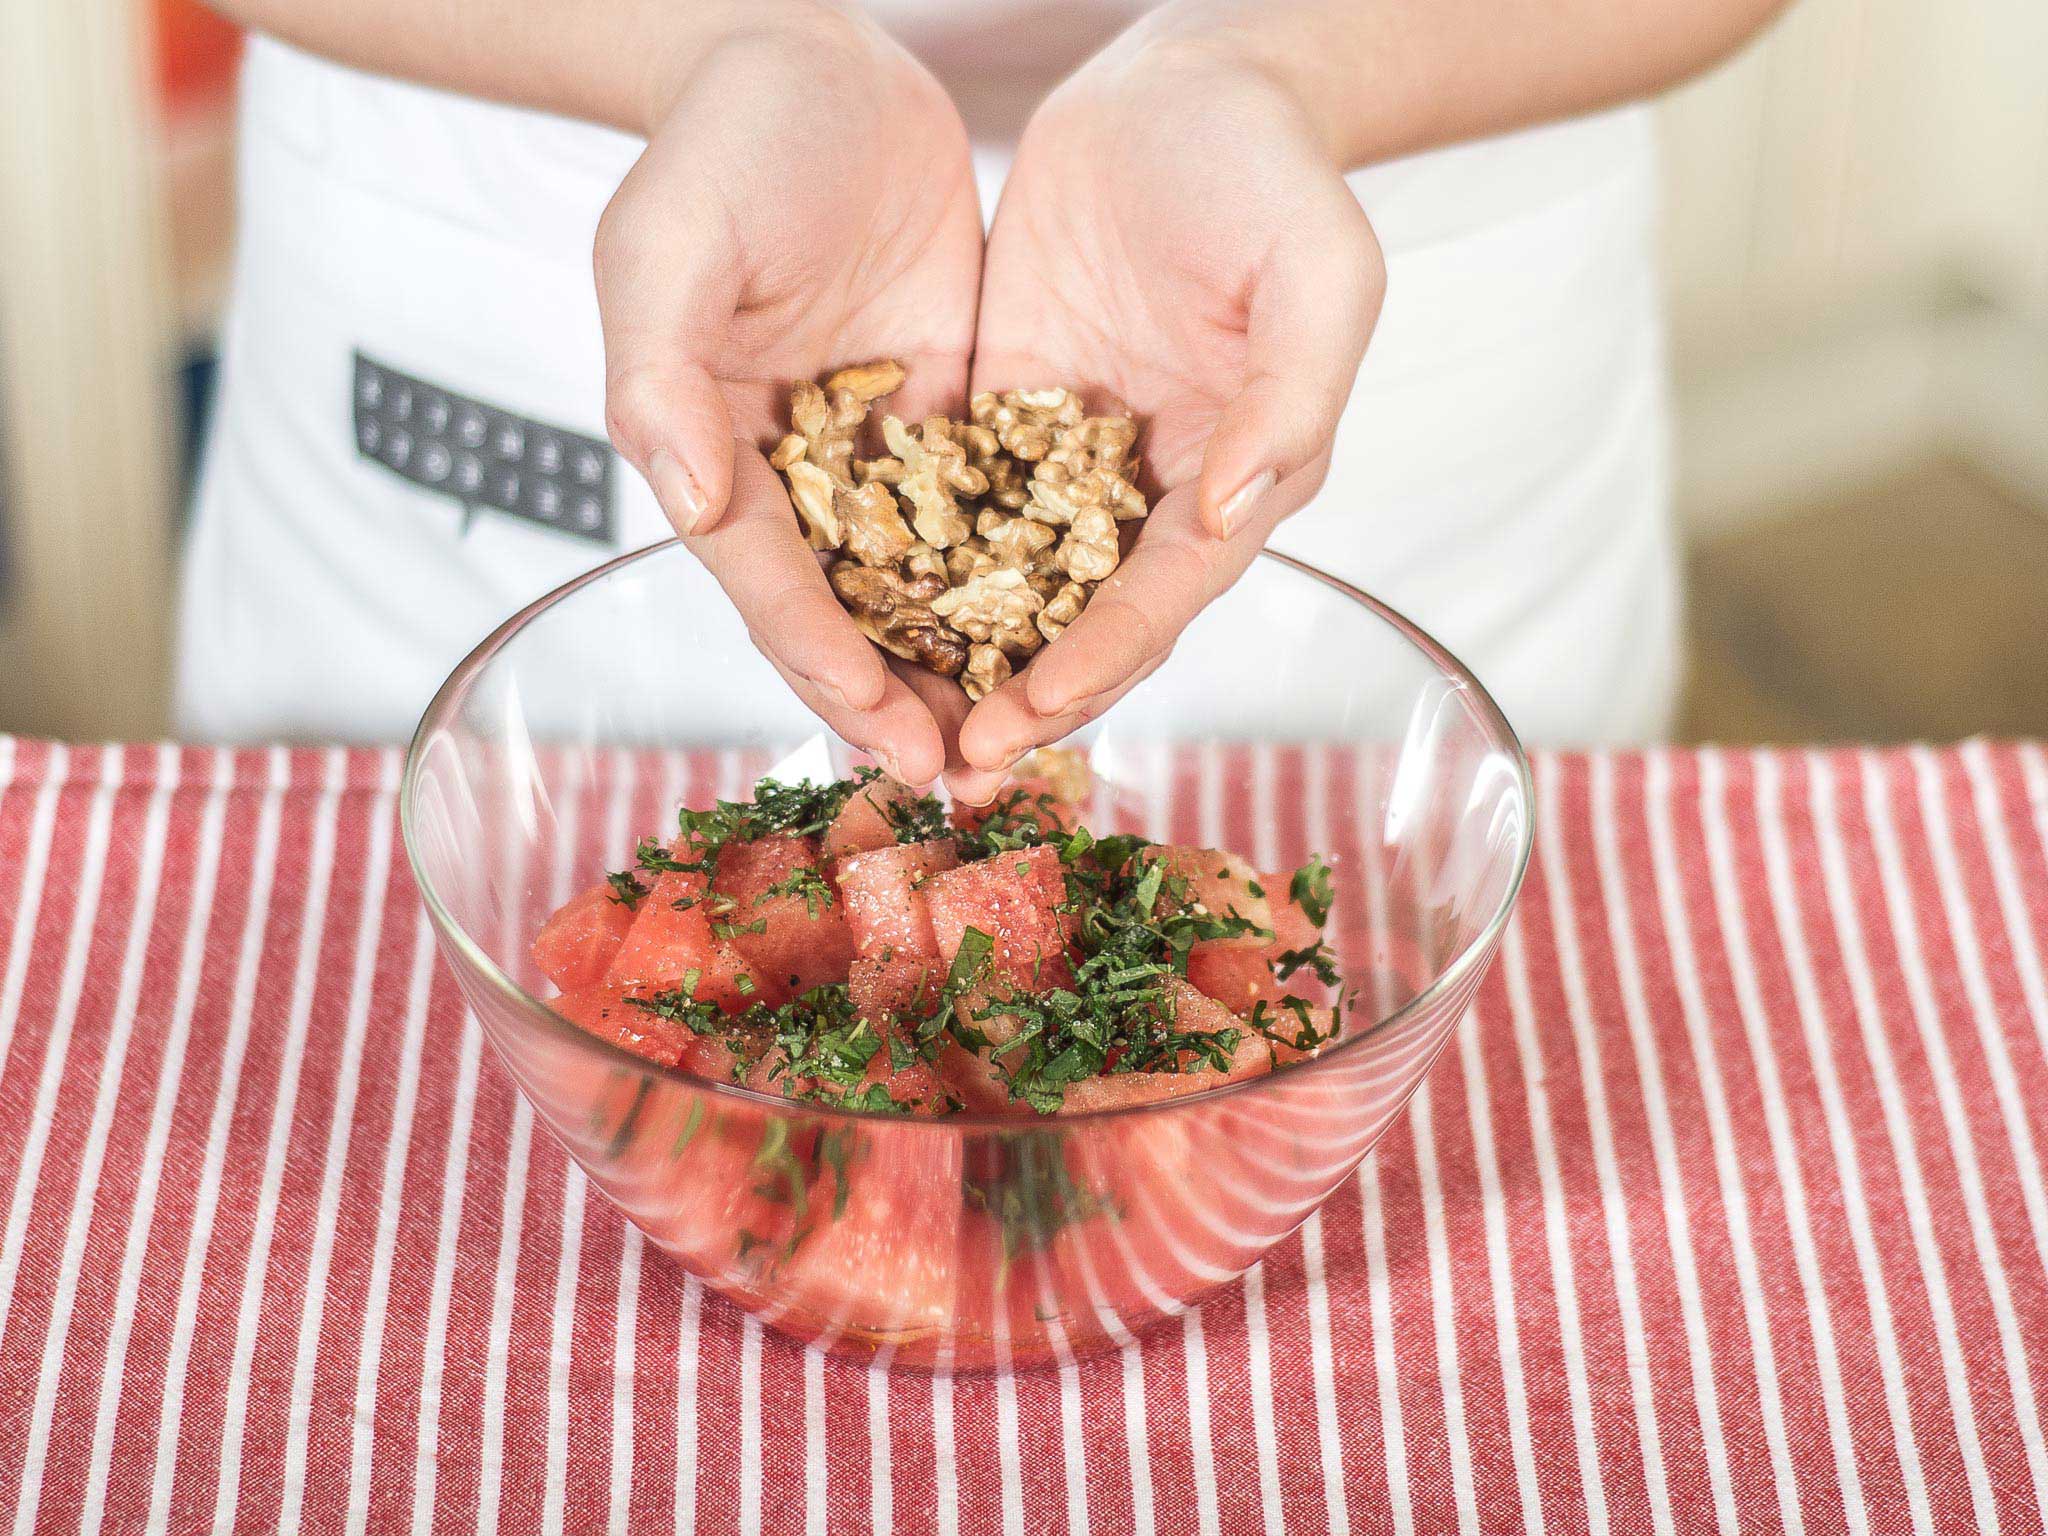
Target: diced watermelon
column 1015, row 899
column 885, row 905
column 1291, row 926
column 1192, row 1013
column 1240, row 971
column 605, row 1012
column 974, row 1077
column 667, row 942
column 1025, row 798
column 891, row 983
column 1220, row 884
column 1234, row 973
column 880, row 1260
column 610, row 1014
column 917, row 1088
column 718, row 1184
column 863, row 825
column 795, row 948
column 978, row 1083
column 578, row 942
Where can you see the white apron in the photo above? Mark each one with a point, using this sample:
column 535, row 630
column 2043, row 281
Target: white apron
column 407, row 444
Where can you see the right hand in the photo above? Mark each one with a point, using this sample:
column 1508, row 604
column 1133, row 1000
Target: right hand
column 805, row 201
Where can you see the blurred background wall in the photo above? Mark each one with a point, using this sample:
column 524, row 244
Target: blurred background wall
column 1857, row 251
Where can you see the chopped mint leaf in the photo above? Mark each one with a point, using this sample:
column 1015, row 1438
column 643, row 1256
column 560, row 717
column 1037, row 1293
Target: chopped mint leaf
column 1312, row 890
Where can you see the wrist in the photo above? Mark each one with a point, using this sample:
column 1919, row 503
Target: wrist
column 1220, row 52
column 822, row 37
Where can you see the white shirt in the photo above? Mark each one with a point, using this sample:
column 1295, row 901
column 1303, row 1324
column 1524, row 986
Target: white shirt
column 1501, row 475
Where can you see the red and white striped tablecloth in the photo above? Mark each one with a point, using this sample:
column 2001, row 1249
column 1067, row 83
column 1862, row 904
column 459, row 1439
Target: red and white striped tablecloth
column 1723, row 1211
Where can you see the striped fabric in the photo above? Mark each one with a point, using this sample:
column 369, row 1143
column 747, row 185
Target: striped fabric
column 1723, row 1211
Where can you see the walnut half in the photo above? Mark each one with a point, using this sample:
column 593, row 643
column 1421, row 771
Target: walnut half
column 997, row 607
column 886, row 611
column 987, row 670
column 931, row 471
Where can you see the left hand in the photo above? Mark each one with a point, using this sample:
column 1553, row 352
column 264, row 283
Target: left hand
column 1174, row 237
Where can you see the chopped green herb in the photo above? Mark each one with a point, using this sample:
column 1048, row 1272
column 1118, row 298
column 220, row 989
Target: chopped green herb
column 808, row 883
column 1032, row 1195
column 1018, row 820
column 657, row 860
column 691, row 1122
column 913, row 818
column 836, row 1147
column 626, row 890
column 1298, row 1029
column 1319, row 959
column 703, row 1018
column 1312, row 890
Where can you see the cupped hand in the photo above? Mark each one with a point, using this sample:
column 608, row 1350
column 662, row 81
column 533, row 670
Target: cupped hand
column 1175, row 237
column 805, row 201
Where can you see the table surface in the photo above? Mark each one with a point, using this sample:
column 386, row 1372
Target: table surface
column 1723, row 1210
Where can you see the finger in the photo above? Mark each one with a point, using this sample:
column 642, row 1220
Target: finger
column 758, row 555
column 934, row 384
column 970, row 786
column 1314, row 303
column 1006, row 718
column 898, row 732
column 668, row 267
column 948, row 705
column 1131, row 622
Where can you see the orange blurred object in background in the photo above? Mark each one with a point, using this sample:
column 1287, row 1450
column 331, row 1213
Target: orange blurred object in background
column 197, row 51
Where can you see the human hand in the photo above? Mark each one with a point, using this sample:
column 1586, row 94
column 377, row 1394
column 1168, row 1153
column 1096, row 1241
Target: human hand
column 805, row 201
column 1177, row 237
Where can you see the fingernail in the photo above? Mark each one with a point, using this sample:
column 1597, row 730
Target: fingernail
column 1238, row 505
column 676, row 489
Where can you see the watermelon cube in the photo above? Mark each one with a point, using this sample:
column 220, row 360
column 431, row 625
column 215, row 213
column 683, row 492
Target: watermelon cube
column 895, row 984
column 864, row 825
column 1015, row 899
column 794, row 941
column 978, row 1083
column 717, row 1187
column 667, row 942
column 604, row 1012
column 1220, row 884
column 610, row 1014
column 575, row 946
column 1234, row 973
column 880, row 1259
column 1292, row 928
column 884, row 896
column 1192, row 1013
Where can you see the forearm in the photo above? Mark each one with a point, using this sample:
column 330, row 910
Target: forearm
column 609, row 61
column 1381, row 78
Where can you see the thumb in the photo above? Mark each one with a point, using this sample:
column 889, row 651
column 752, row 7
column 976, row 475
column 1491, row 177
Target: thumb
column 1313, row 306
column 669, row 419
column 669, row 274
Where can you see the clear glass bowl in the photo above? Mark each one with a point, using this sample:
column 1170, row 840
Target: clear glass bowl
column 1296, row 716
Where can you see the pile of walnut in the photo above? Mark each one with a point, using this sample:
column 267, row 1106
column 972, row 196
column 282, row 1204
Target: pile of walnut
column 975, row 542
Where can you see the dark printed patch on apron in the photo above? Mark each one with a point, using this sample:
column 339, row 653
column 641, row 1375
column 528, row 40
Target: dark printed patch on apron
column 482, row 456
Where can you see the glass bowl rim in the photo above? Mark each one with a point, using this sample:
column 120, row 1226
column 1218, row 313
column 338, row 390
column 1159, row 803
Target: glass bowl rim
column 1471, row 956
